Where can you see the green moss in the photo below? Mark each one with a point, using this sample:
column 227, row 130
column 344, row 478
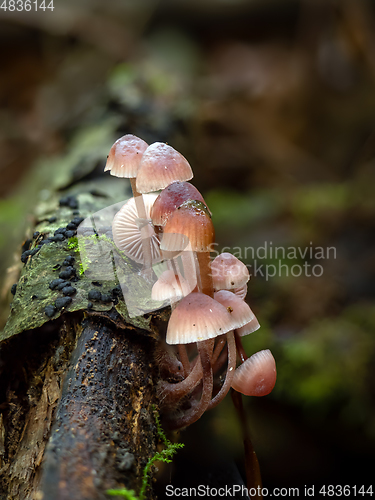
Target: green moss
column 73, row 243
column 163, row 456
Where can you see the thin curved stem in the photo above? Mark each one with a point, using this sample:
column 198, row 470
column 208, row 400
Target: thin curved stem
column 240, row 349
column 184, row 358
column 230, row 372
column 218, row 348
column 197, row 410
column 253, row 477
column 170, row 393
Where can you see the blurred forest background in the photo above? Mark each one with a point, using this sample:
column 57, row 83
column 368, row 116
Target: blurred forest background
column 273, row 104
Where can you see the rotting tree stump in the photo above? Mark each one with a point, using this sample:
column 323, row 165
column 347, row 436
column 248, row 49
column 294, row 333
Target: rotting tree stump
column 77, row 388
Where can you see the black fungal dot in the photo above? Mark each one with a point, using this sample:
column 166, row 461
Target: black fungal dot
column 116, row 291
column 34, row 250
column 25, row 256
column 96, row 283
column 50, row 310
column 77, row 221
column 64, row 202
column 90, row 305
column 62, row 302
column 36, row 234
column 71, row 226
column 69, row 271
column 106, row 297
column 52, row 219
column 69, row 290
column 70, row 234
column 69, row 260
column 73, row 203
column 55, row 283
column 13, row 289
column 58, row 237
column 62, row 285
column 61, row 230
column 94, row 295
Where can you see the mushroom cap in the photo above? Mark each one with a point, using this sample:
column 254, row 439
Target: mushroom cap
column 228, row 272
column 128, row 230
column 125, row 156
column 250, row 327
column 172, row 197
column 238, row 309
column 160, row 166
column 257, row 375
column 190, row 224
column 197, row 317
column 241, row 291
column 170, row 287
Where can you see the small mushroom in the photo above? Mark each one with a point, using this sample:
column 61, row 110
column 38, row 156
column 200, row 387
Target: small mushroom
column 160, row 166
column 257, row 375
column 129, row 231
column 125, row 156
column 228, row 272
column 170, row 287
column 190, row 228
column 124, row 160
column 239, row 310
column 198, row 317
column 170, row 199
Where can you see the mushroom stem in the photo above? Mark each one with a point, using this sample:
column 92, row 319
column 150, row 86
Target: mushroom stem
column 145, row 239
column 170, row 393
column 230, row 372
column 218, row 348
column 205, row 352
column 189, row 267
column 240, row 349
column 206, row 285
column 184, row 358
column 197, row 410
column 220, row 361
column 253, row 477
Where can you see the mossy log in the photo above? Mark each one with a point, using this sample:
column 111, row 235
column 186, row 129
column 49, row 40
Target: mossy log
column 78, row 377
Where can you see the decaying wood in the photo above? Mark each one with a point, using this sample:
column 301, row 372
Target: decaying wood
column 77, row 413
column 104, row 427
column 77, row 390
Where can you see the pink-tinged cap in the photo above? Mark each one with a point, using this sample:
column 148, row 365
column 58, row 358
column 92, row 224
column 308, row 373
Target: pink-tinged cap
column 250, row 327
column 190, row 224
column 171, row 198
column 238, row 309
column 197, row 317
column 228, row 272
column 241, row 291
column 257, row 375
column 160, row 166
column 125, row 156
column 170, row 287
column 128, row 230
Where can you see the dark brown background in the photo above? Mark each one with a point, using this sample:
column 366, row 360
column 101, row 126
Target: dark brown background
column 273, row 104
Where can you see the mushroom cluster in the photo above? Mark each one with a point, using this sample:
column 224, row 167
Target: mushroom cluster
column 209, row 314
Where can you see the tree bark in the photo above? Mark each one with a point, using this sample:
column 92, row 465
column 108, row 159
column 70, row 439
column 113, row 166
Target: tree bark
column 77, row 390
